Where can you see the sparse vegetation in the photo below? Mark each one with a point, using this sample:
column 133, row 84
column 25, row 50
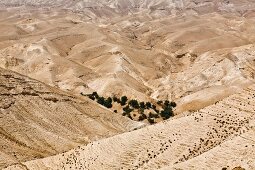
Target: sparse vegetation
column 151, row 120
column 148, row 105
column 123, row 100
column 134, row 103
column 136, row 110
column 142, row 117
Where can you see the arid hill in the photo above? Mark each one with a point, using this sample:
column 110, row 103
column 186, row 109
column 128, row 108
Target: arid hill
column 197, row 53
column 186, row 58
column 218, row 136
column 39, row 121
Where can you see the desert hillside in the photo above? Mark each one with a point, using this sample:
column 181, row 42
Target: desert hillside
column 183, row 58
column 182, row 70
column 216, row 137
column 38, row 121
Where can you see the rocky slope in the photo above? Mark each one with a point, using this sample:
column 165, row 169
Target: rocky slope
column 38, row 121
column 216, row 137
column 176, row 58
column 198, row 53
column 155, row 8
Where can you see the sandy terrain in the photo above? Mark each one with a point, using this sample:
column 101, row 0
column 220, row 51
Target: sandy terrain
column 218, row 136
column 38, row 121
column 198, row 53
column 77, row 56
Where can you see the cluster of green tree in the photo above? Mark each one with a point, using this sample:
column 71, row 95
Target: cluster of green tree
column 122, row 101
column 129, row 106
column 107, row 102
column 167, row 111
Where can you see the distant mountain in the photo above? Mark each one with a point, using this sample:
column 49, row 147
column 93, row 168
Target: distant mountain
column 111, row 8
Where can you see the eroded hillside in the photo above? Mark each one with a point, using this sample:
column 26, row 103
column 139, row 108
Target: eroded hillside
column 197, row 53
column 188, row 59
column 218, row 136
column 38, row 121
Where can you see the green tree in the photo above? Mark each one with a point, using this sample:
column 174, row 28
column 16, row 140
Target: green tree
column 142, row 117
column 92, row 97
column 127, row 109
column 123, row 100
column 109, row 99
column 95, row 95
column 173, row 104
column 166, row 103
column 166, row 113
column 108, row 102
column 148, row 104
column 142, row 105
column 100, row 100
column 115, row 99
column 134, row 104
